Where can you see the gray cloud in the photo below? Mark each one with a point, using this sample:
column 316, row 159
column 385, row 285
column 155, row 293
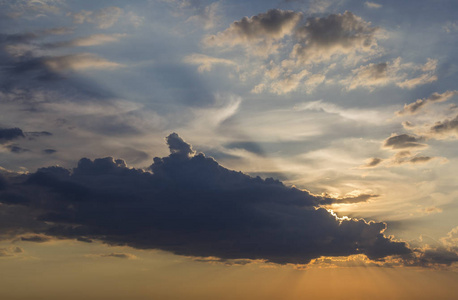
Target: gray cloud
column 404, row 75
column 8, row 134
column 403, row 141
column 321, row 38
column 36, row 238
column 415, row 107
column 49, row 151
column 448, row 127
column 420, row 159
column 373, row 162
column 190, row 205
column 264, row 27
column 17, row 149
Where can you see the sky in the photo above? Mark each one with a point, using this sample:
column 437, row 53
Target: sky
column 193, row 149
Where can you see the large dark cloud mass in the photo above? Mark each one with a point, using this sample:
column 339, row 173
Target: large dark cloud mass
column 189, row 205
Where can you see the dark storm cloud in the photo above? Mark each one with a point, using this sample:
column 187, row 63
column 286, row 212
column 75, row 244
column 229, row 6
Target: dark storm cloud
column 190, row 205
column 8, row 134
column 415, row 107
column 403, row 141
column 320, row 38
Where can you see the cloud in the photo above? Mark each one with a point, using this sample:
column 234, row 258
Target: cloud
column 351, row 199
column 206, row 62
column 207, row 16
column 444, row 129
column 76, row 62
column 321, row 38
column 405, row 157
column 36, row 238
column 30, row 8
column 92, row 40
column 17, row 149
column 399, row 158
column 403, row 141
column 370, row 116
column 246, row 145
column 190, row 205
column 373, row 162
column 49, row 151
column 120, row 255
column 444, row 252
column 417, row 106
column 372, row 4
column 288, row 83
column 404, row 75
column 34, row 134
column 261, row 30
column 32, row 76
column 103, row 18
column 451, row 27
column 178, row 147
column 8, row 134
column 10, row 251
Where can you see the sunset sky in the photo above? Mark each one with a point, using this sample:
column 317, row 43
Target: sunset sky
column 193, row 149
